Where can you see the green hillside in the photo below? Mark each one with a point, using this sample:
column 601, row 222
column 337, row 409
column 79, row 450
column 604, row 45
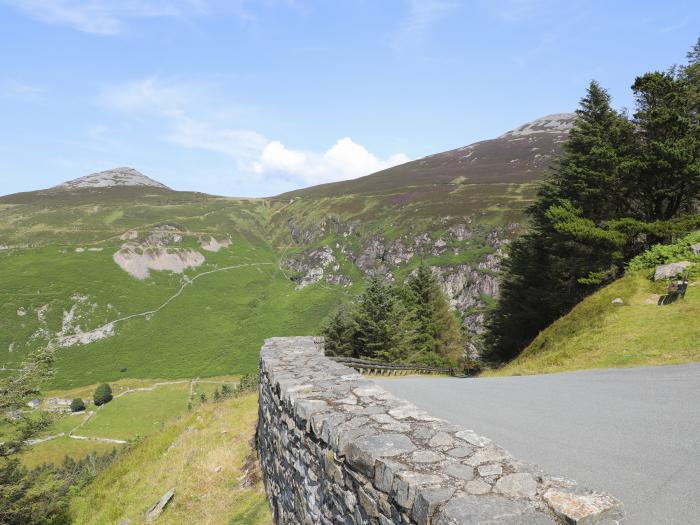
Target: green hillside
column 600, row 333
column 209, row 320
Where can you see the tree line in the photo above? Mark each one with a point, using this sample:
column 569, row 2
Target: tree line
column 623, row 184
column 406, row 322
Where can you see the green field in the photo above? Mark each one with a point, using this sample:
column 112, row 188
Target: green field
column 600, row 334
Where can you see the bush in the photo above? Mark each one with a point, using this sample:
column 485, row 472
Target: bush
column 103, row 394
column 666, row 253
column 77, row 405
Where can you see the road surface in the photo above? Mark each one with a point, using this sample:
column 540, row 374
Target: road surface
column 633, row 432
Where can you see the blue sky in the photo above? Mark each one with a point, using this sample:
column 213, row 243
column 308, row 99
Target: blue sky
column 256, row 97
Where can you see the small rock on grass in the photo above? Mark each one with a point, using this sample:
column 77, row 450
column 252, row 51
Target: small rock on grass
column 157, row 509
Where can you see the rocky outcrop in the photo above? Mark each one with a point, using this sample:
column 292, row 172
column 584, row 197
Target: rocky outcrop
column 315, row 266
column 671, row 270
column 336, row 448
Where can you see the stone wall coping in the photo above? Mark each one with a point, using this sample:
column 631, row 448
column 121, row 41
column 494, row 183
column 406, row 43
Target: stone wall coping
column 431, row 470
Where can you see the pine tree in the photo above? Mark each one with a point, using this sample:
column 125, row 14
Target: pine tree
column 378, row 315
column 437, row 330
column 340, row 333
column 669, row 158
column 566, row 253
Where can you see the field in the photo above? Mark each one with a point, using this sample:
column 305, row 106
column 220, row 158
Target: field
column 600, row 334
column 202, row 455
column 139, row 409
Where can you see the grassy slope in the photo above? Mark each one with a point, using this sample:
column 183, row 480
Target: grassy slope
column 599, row 334
column 184, row 456
column 216, row 326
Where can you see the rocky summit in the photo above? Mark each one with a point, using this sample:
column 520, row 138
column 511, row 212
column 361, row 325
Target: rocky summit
column 115, row 177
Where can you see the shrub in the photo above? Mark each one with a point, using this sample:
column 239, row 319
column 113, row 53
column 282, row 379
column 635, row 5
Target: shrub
column 103, row 394
column 77, row 405
column 666, row 253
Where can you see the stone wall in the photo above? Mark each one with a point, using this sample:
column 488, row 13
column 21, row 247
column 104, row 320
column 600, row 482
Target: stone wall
column 336, row 448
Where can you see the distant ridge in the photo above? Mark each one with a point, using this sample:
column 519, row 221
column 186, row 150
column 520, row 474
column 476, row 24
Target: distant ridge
column 111, row 178
column 521, row 155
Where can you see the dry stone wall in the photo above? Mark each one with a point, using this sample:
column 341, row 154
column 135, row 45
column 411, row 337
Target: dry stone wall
column 335, row 448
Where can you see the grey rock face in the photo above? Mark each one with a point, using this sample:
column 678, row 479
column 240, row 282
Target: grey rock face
column 330, row 452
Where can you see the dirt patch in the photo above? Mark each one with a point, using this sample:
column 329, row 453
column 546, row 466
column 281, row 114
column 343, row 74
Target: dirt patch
column 212, row 245
column 138, row 261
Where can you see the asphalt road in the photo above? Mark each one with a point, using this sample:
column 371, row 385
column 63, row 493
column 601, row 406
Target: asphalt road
column 633, row 432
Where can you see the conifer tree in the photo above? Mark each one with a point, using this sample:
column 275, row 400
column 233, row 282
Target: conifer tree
column 378, row 317
column 553, row 266
column 620, row 187
column 437, row 330
column 669, row 156
column 340, row 333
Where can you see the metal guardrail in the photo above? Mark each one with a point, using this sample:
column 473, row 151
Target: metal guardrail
column 378, row 368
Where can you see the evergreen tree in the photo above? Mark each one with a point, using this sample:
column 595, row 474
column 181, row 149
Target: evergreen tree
column 565, row 254
column 340, row 333
column 620, row 187
column 691, row 74
column 668, row 180
column 381, row 322
column 437, row 330
column 77, row 405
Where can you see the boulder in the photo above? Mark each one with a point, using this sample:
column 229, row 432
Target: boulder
column 696, row 248
column 671, row 270
column 157, row 509
column 617, row 300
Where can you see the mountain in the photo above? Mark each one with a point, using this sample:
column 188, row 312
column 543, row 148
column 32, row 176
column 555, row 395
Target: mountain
column 125, row 278
column 111, row 178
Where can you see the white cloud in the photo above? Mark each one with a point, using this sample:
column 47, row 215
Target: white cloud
column 344, row 160
column 191, row 122
column 104, row 17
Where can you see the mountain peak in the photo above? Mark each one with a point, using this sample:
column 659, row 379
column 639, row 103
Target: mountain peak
column 115, row 177
column 557, row 123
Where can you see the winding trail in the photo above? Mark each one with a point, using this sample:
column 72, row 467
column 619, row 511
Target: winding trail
column 106, row 329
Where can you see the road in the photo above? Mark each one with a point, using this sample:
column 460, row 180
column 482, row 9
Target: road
column 633, row 432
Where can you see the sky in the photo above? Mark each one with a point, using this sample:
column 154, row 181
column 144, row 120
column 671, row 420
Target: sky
column 257, row 97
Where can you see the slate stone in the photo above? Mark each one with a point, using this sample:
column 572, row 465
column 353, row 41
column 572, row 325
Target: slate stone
column 457, row 470
column 361, row 453
column 521, row 485
column 585, row 509
column 426, row 502
column 489, row 510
